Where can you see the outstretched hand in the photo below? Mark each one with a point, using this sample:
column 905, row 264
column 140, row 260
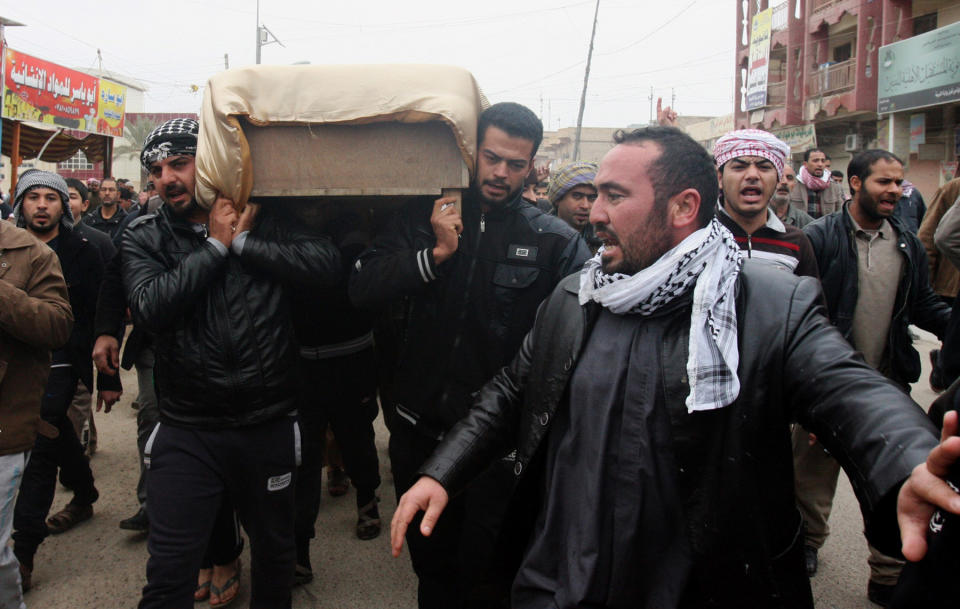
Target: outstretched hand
column 666, row 117
column 926, row 490
column 427, row 495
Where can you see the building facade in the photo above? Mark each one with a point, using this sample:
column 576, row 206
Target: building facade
column 822, row 73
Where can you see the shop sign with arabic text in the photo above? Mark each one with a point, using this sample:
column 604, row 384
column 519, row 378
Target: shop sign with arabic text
column 43, row 92
column 920, row 71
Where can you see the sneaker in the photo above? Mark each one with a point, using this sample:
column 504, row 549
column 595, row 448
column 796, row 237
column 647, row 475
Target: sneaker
column 138, row 522
column 881, row 594
column 810, row 556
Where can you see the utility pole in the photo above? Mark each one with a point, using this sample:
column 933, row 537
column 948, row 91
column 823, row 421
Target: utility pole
column 586, row 77
column 651, row 104
column 226, row 61
column 262, row 35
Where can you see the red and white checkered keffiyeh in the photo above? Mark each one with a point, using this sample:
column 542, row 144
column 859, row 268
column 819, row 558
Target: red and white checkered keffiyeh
column 751, row 142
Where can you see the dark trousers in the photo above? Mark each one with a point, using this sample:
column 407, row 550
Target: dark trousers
column 40, row 476
column 458, row 565
column 341, row 392
column 147, row 415
column 226, row 542
column 191, row 471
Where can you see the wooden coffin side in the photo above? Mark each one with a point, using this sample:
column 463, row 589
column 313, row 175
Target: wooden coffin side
column 379, row 159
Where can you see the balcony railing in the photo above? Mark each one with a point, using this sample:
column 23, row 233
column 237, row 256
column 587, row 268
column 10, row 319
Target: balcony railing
column 780, row 17
column 822, row 4
column 777, row 93
column 833, row 79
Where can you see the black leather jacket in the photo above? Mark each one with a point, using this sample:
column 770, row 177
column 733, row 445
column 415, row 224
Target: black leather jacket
column 83, row 271
column 916, row 303
column 735, row 465
column 468, row 316
column 221, row 327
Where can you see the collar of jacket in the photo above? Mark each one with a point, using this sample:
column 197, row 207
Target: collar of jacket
column 176, row 221
column 12, row 237
column 473, row 206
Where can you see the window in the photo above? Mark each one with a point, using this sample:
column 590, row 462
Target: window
column 843, row 52
column 924, row 23
column 77, row 161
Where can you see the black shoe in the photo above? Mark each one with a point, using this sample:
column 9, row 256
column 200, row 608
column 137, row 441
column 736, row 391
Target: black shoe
column 138, row 522
column 880, row 594
column 937, row 382
column 368, row 520
column 810, row 555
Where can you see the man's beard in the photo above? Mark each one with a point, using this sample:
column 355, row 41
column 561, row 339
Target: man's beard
column 511, row 195
column 179, row 208
column 42, row 228
column 643, row 248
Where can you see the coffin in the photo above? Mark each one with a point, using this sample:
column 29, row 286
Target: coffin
column 350, row 132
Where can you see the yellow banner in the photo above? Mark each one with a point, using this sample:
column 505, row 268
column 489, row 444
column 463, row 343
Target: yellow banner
column 111, row 108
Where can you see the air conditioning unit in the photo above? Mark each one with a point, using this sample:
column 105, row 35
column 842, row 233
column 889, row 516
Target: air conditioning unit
column 851, row 143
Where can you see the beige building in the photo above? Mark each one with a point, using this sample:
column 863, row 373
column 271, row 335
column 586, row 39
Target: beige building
column 557, row 147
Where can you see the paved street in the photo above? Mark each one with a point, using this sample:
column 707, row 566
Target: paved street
column 99, row 566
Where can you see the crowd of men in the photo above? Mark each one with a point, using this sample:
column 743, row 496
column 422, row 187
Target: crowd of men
column 624, row 384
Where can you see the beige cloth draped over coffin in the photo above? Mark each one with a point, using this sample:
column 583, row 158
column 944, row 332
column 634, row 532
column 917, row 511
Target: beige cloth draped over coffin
column 324, row 95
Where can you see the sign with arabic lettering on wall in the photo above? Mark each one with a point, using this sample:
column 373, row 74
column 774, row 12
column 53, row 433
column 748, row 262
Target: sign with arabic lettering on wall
column 110, row 108
column 759, row 67
column 43, row 92
column 920, row 71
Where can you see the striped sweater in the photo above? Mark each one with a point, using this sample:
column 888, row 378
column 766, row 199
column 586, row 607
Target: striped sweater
column 783, row 246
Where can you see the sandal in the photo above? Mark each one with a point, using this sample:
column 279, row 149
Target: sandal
column 302, row 575
column 338, row 484
column 233, row 582
column 202, row 592
column 70, row 516
column 368, row 520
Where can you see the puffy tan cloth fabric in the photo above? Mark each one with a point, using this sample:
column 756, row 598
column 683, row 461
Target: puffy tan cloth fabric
column 340, row 94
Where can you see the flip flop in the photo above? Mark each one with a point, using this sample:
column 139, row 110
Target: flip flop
column 202, row 592
column 230, row 583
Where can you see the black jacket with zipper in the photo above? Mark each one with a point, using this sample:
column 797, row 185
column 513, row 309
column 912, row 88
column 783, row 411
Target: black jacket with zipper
column 221, row 325
column 467, row 316
column 916, row 303
column 734, row 464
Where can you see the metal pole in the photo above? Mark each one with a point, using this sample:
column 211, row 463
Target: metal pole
column 586, row 77
column 3, row 84
column 14, row 158
column 47, row 143
column 108, row 159
column 258, row 32
column 650, row 97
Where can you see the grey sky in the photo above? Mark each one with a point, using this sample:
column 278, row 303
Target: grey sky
column 518, row 51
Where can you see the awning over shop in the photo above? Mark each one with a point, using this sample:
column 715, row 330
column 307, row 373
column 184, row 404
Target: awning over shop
column 61, row 148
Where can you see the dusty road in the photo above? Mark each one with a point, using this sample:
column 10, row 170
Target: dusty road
column 97, row 565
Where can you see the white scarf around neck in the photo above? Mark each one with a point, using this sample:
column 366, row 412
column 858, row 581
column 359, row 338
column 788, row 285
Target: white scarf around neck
column 710, row 260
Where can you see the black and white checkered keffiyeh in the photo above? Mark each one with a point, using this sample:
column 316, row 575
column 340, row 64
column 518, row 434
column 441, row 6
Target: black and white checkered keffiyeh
column 709, row 260
column 177, row 136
